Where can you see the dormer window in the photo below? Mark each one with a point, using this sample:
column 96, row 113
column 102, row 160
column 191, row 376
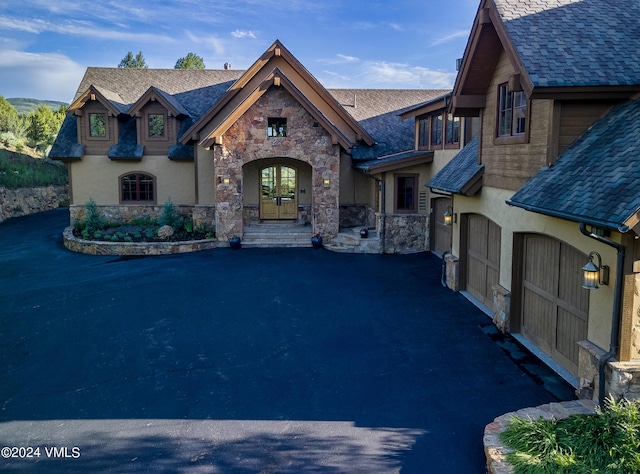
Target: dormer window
column 156, row 126
column 276, row 127
column 97, row 125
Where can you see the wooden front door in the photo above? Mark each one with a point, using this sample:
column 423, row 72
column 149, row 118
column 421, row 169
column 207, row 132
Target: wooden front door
column 440, row 233
column 555, row 307
column 278, row 195
column 483, row 258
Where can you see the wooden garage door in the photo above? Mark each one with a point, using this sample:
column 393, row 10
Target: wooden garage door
column 554, row 304
column 483, row 258
column 440, row 233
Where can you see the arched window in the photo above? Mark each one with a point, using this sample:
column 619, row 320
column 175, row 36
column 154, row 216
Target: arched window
column 137, row 187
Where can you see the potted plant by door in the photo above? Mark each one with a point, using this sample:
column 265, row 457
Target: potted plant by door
column 235, row 242
column 316, row 241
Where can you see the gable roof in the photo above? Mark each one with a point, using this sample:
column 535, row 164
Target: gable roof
column 463, row 174
column 110, row 99
column 169, row 102
column 277, row 66
column 554, row 46
column 596, row 179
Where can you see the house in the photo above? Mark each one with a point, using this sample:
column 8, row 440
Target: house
column 549, row 185
column 234, row 148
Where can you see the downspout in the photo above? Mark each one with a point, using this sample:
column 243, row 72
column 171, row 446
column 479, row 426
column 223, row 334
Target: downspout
column 617, row 309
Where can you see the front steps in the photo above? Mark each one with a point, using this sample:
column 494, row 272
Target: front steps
column 277, row 234
column 349, row 241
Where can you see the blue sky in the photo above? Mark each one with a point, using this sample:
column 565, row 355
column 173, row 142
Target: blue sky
column 46, row 45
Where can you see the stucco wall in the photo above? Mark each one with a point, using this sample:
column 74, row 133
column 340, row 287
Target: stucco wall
column 97, row 177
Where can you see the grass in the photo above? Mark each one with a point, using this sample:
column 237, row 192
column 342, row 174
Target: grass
column 607, row 442
column 19, row 170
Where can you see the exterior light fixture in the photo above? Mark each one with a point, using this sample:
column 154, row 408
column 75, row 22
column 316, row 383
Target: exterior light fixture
column 326, row 182
column 595, row 274
column 449, row 216
column 224, row 180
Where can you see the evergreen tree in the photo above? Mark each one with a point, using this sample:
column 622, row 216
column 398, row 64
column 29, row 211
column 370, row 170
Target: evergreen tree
column 131, row 62
column 190, row 61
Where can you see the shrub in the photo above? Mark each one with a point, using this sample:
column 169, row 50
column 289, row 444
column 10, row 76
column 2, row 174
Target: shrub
column 150, row 235
column 188, row 225
column 169, row 215
column 92, row 219
column 608, row 441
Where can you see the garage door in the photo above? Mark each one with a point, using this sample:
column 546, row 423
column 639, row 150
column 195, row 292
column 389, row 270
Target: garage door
column 483, row 258
column 554, row 304
column 440, row 233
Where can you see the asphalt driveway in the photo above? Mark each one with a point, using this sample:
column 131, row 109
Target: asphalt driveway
column 257, row 360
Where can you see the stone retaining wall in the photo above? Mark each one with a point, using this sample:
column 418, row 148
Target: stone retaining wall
column 496, row 452
column 91, row 247
column 404, row 233
column 23, row 201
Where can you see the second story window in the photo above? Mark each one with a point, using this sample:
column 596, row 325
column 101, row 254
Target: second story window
column 423, row 133
column 97, row 125
column 452, row 132
column 436, row 131
column 276, row 127
column 156, row 126
column 512, row 112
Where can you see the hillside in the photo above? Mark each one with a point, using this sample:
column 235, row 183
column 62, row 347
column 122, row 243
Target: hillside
column 24, row 106
column 22, row 170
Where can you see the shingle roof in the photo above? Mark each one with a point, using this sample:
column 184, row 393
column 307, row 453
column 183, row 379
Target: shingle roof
column 575, row 42
column 461, row 172
column 378, row 110
column 395, row 161
column 596, row 180
column 197, row 91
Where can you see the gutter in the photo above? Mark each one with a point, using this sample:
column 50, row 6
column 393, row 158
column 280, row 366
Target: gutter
column 617, row 309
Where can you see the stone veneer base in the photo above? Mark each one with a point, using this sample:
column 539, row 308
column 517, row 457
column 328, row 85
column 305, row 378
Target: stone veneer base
column 496, row 452
column 92, row 247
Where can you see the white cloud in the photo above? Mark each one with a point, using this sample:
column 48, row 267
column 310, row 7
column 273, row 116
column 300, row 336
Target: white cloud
column 46, row 76
column 339, row 59
column 404, row 76
column 80, row 28
column 453, row 36
column 243, row 34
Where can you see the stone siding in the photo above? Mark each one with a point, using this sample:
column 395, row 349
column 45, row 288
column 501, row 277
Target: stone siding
column 622, row 379
column 246, row 141
column 404, row 233
column 357, row 216
column 501, row 308
column 127, row 213
column 23, row 201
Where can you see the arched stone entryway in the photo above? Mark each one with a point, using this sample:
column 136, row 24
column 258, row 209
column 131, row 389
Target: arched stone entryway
column 305, row 143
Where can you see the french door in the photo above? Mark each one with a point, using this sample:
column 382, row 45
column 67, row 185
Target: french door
column 278, row 196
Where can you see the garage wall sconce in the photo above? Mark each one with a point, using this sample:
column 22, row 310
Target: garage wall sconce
column 326, row 182
column 593, row 274
column 450, row 217
column 224, row 180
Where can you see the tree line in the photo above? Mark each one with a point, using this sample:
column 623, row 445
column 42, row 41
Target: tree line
column 37, row 129
column 190, row 61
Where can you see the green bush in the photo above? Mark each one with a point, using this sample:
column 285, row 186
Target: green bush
column 188, row 225
column 92, row 219
column 169, row 215
column 607, row 442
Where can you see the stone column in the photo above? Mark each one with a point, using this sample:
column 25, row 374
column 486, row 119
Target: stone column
column 501, row 308
column 325, row 212
column 228, row 195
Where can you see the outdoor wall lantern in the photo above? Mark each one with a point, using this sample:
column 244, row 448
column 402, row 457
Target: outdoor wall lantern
column 326, row 182
column 449, row 216
column 595, row 274
column 224, row 180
